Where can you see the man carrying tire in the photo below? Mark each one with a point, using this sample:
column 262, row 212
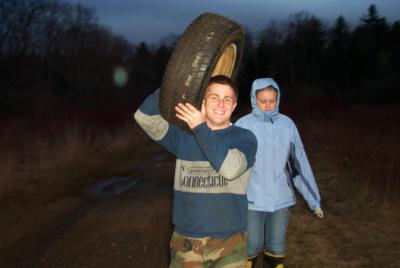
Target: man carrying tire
column 212, row 169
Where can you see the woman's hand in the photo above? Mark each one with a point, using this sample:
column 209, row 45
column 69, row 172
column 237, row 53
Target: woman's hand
column 319, row 212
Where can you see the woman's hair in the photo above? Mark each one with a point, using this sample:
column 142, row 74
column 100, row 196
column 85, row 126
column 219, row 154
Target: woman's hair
column 268, row 88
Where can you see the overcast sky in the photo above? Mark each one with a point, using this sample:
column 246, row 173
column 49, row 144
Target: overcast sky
column 151, row 20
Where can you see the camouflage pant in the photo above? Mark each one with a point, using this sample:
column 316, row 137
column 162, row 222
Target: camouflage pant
column 188, row 252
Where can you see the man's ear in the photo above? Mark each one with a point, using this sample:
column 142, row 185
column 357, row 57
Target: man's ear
column 203, row 107
column 234, row 106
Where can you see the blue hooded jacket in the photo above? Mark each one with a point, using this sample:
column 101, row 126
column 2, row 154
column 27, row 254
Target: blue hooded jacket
column 281, row 161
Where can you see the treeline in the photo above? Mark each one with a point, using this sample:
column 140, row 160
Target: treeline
column 359, row 64
column 51, row 48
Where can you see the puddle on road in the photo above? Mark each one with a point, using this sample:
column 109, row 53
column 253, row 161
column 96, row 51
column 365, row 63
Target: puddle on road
column 111, row 187
column 116, row 185
column 160, row 157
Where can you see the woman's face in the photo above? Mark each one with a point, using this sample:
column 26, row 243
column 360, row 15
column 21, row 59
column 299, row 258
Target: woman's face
column 266, row 99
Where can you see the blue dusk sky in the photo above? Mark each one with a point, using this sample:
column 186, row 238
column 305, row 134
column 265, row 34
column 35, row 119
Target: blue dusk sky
column 151, row 20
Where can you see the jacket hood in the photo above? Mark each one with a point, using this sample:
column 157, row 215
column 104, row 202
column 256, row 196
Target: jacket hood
column 262, row 83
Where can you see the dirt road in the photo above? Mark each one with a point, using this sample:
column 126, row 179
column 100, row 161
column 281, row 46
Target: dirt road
column 133, row 229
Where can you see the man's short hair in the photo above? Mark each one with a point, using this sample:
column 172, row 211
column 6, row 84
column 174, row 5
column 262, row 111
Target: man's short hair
column 224, row 80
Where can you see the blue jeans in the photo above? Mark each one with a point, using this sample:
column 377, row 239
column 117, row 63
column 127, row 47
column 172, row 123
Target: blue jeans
column 267, row 229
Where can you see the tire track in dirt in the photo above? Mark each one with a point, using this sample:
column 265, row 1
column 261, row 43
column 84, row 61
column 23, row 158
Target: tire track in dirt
column 55, row 220
column 131, row 230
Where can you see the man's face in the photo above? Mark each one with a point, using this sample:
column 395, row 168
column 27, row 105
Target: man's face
column 219, row 103
column 266, row 99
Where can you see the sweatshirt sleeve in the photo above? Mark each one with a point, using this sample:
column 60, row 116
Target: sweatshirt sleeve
column 304, row 180
column 149, row 119
column 229, row 157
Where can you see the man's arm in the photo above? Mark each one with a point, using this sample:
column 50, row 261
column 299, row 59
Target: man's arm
column 232, row 159
column 229, row 160
column 149, row 118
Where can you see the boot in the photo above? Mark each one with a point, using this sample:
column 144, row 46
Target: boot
column 273, row 261
column 251, row 262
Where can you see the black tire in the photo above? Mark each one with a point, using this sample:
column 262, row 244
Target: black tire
column 210, row 45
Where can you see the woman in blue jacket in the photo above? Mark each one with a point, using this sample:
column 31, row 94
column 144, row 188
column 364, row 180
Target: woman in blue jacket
column 281, row 164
